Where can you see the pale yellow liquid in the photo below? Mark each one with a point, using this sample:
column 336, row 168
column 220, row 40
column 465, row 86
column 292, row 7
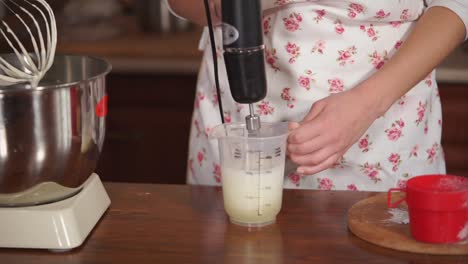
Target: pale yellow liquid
column 245, row 202
column 40, row 193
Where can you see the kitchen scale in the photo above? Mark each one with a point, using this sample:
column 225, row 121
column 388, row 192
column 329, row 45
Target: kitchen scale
column 56, row 226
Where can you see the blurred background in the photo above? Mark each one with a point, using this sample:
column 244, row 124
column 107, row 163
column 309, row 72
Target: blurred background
column 155, row 60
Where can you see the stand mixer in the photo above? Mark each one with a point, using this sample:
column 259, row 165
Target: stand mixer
column 52, row 126
column 50, row 140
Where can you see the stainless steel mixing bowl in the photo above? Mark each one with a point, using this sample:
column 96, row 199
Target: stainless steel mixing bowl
column 51, row 135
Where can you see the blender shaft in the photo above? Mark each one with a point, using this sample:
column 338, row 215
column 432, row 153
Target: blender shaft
column 252, row 120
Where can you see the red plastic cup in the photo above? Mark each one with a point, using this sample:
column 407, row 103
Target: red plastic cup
column 437, row 207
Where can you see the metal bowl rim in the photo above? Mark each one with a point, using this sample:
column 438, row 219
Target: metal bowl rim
column 28, row 88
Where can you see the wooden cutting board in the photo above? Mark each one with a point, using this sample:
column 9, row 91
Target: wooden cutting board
column 369, row 219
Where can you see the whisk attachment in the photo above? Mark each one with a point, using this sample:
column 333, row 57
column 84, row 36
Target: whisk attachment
column 33, row 65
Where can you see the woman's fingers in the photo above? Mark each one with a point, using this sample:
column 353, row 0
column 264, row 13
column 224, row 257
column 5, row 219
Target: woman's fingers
column 304, row 132
column 313, row 158
column 293, row 125
column 327, row 163
column 308, row 128
column 307, row 147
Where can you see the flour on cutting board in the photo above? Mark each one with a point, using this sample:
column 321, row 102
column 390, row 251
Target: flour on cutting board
column 399, row 216
column 463, row 234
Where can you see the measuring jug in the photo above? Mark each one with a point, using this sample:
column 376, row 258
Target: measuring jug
column 252, row 171
column 437, row 206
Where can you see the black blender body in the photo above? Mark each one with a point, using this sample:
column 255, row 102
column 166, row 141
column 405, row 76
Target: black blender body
column 244, row 50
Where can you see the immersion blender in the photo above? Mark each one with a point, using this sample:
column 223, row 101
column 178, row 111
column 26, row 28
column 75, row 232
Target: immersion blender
column 243, row 54
column 245, row 63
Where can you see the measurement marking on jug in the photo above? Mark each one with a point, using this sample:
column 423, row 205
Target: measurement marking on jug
column 277, row 152
column 237, row 154
column 260, row 212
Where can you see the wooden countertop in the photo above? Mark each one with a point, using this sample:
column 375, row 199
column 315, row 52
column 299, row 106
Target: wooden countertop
column 186, row 224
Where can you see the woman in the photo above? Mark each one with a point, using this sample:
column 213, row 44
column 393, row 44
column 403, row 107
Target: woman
column 356, row 76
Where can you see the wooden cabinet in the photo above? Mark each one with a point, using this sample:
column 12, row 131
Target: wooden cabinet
column 149, row 111
column 455, row 127
column 149, row 123
column 147, row 128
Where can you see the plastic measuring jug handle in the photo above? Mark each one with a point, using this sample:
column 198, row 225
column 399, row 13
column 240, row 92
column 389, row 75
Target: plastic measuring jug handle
column 389, row 197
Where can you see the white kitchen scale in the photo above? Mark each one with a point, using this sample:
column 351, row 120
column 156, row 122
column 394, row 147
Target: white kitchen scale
column 57, row 226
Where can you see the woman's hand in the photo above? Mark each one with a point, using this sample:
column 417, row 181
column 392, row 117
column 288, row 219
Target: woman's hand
column 194, row 10
column 335, row 123
column 331, row 127
column 215, row 10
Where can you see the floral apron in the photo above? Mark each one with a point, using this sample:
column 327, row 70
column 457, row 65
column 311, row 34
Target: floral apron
column 314, row 49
